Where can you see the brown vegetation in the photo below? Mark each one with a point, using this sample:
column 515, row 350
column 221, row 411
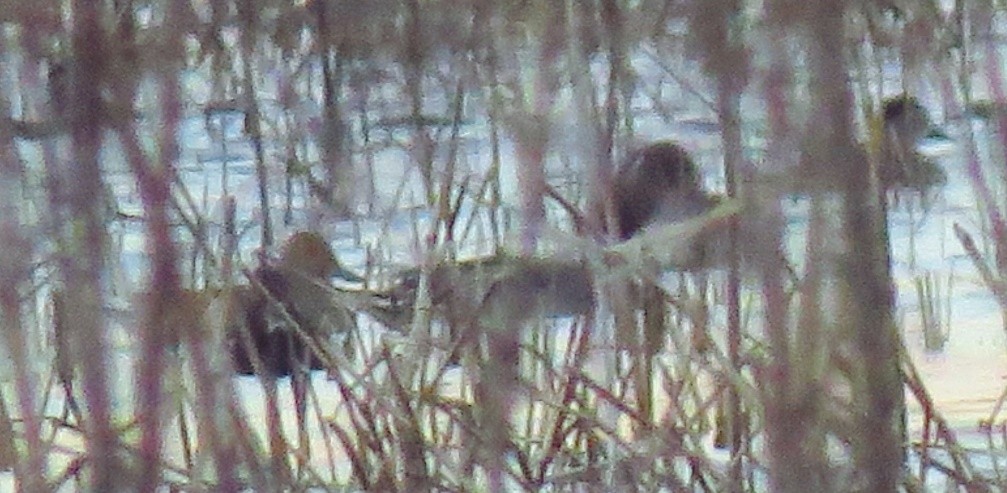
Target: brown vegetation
column 422, row 83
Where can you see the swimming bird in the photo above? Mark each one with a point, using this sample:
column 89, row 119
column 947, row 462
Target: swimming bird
column 281, row 324
column 657, row 182
column 904, row 123
column 294, row 289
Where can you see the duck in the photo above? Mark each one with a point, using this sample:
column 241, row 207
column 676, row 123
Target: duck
column 905, row 122
column 656, row 184
column 460, row 290
column 659, row 182
column 297, row 284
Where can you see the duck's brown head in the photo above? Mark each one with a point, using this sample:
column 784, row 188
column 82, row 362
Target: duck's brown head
column 308, row 253
column 653, row 182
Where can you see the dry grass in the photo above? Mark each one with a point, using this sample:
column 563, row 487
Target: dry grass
column 797, row 374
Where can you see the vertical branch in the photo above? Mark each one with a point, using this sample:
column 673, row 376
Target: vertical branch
column 729, row 109
column 531, row 143
column 532, row 134
column 995, row 82
column 865, row 282
column 247, row 13
column 716, row 33
column 784, row 437
column 362, row 94
column 492, row 61
column 447, row 212
column 961, row 39
column 333, row 129
column 220, row 62
column 617, row 67
column 415, row 62
column 601, row 216
column 83, row 262
column 8, row 450
column 15, row 268
column 36, row 28
column 164, row 292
